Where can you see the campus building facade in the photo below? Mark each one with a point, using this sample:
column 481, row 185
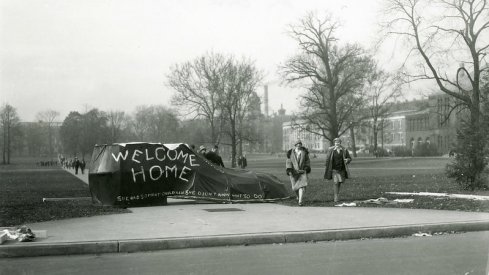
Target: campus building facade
column 431, row 125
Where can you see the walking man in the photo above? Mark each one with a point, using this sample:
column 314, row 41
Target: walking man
column 337, row 160
column 77, row 165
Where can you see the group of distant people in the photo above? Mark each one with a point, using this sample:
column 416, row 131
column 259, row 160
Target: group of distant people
column 47, row 163
column 298, row 166
column 75, row 164
column 214, row 157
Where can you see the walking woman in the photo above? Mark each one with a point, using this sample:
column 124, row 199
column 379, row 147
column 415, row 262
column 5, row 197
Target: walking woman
column 298, row 166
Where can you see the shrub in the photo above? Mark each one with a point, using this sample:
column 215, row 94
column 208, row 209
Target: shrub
column 470, row 162
column 425, row 150
column 401, row 151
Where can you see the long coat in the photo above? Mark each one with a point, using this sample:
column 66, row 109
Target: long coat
column 297, row 167
column 214, row 158
column 328, row 173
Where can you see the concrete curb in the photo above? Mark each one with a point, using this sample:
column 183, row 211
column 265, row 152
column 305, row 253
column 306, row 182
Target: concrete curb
column 34, row 250
column 137, row 245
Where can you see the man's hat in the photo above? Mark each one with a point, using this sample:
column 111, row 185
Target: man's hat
column 202, row 147
column 298, row 142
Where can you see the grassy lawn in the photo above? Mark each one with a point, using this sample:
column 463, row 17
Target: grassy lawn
column 371, row 178
column 23, row 185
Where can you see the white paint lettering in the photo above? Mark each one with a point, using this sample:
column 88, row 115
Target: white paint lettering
column 158, row 156
column 136, row 154
column 147, row 155
column 172, row 169
column 119, row 155
column 192, row 161
column 184, row 173
column 134, row 174
column 174, row 157
column 182, row 155
column 158, row 169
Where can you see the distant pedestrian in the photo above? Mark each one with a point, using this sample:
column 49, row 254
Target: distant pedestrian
column 76, row 163
column 337, row 160
column 82, row 165
column 214, row 156
column 297, row 167
column 244, row 161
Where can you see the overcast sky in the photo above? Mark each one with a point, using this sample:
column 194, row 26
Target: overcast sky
column 69, row 55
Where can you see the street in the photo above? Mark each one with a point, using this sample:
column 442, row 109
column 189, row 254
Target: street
column 465, row 253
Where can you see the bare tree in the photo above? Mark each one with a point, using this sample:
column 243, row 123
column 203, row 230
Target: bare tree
column 251, row 125
column 155, row 123
column 198, row 85
column 334, row 73
column 116, row 121
column 241, row 80
column 140, row 123
column 47, row 118
column 438, row 45
column 8, row 121
column 456, row 36
column 380, row 90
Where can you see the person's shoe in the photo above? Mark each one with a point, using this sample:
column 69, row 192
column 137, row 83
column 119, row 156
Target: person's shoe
column 300, row 203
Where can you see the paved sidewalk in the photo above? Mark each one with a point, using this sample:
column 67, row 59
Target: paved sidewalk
column 189, row 223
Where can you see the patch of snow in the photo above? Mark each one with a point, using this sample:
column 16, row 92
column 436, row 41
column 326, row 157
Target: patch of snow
column 404, row 200
column 457, row 196
column 346, row 204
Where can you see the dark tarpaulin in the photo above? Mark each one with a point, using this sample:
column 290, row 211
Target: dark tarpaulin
column 146, row 173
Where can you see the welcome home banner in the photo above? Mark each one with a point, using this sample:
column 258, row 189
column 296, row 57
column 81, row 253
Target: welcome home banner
column 135, row 173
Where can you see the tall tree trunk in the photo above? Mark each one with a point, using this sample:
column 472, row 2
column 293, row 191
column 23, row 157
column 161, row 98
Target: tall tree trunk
column 382, row 137
column 240, row 143
column 375, row 132
column 233, row 143
column 8, row 144
column 353, row 144
column 333, row 132
column 4, row 149
column 50, row 136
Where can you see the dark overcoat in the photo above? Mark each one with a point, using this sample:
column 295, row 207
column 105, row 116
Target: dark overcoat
column 328, row 173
